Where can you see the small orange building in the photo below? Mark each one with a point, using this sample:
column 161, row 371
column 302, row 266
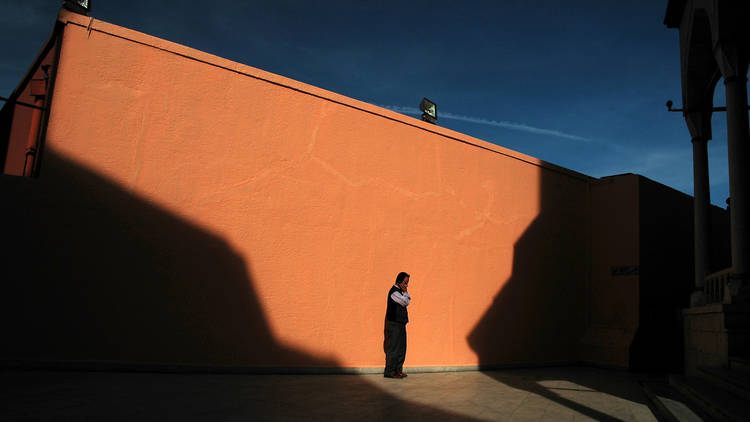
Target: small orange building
column 187, row 211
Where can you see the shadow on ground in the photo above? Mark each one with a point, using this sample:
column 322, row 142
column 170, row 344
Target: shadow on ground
column 571, row 387
column 112, row 396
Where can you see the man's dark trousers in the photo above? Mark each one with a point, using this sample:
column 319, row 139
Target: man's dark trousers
column 394, row 346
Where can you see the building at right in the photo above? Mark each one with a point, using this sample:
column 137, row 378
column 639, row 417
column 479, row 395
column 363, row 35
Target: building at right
column 714, row 45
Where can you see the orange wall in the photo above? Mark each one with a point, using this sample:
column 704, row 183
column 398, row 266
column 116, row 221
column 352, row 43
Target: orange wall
column 614, row 301
column 195, row 210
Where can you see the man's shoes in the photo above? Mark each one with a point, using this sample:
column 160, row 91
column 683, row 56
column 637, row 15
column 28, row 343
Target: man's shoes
column 402, row 375
column 394, row 375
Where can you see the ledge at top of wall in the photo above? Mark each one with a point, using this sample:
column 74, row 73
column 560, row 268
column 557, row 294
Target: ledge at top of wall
column 90, row 24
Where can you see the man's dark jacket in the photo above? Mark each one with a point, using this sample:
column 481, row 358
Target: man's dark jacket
column 395, row 312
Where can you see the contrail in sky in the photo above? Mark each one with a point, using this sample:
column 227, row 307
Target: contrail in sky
column 498, row 123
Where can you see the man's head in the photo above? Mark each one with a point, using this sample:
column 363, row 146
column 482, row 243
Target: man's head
column 402, row 280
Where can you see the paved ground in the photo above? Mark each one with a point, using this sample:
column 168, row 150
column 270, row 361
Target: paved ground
column 546, row 394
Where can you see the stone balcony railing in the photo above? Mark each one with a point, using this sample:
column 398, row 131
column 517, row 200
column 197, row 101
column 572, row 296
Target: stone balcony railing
column 715, row 289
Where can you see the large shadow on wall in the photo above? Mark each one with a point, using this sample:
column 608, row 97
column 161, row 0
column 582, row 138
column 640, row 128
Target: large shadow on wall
column 93, row 273
column 540, row 312
column 97, row 274
column 665, row 276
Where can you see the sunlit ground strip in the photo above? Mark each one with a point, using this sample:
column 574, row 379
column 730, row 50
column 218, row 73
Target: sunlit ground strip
column 497, row 396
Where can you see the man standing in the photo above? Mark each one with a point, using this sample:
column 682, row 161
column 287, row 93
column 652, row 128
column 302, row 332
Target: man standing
column 396, row 318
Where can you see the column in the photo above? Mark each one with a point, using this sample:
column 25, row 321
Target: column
column 738, row 149
column 699, row 124
column 701, row 208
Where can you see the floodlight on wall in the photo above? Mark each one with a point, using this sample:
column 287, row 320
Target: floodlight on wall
column 429, row 111
column 79, row 6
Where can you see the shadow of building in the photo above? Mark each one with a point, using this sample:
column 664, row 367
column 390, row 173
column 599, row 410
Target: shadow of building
column 96, row 278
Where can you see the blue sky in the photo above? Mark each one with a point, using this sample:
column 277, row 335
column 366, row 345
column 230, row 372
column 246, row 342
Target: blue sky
column 581, row 84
